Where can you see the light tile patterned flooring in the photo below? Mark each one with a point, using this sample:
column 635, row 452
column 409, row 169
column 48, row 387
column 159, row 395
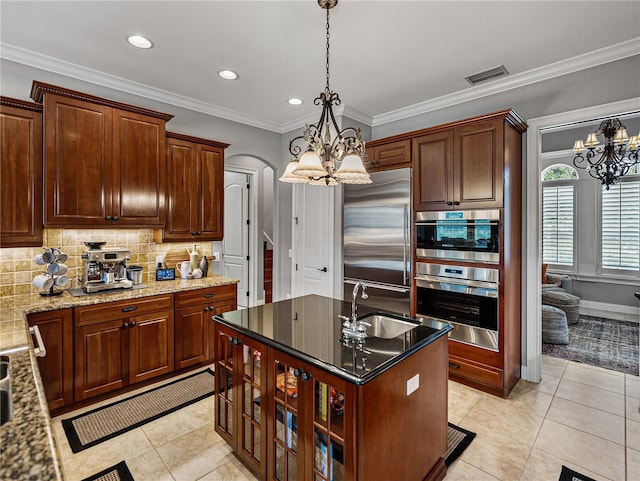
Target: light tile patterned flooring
column 581, row 416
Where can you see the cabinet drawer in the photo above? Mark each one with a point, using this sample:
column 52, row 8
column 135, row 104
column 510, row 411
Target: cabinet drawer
column 118, row 310
column 206, row 295
column 391, row 155
column 475, row 372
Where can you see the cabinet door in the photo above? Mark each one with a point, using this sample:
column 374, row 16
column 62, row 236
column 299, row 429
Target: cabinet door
column 433, row 171
column 393, row 155
column 181, row 209
column 332, row 413
column 218, row 308
column 78, row 162
column 21, row 179
column 225, row 381
column 56, row 368
column 150, row 345
column 478, row 165
column 102, row 358
column 139, row 169
column 252, row 402
column 287, row 428
column 210, row 199
column 192, row 335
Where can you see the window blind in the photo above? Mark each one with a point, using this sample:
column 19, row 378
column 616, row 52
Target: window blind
column 621, row 226
column 557, row 224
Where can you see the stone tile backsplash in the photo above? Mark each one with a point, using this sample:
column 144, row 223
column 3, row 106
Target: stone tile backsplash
column 17, row 267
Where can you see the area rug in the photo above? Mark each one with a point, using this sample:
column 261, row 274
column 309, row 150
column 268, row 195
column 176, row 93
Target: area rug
column 118, row 472
column 606, row 343
column 571, row 475
column 458, row 440
column 106, row 422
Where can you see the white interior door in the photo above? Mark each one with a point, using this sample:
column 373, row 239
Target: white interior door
column 235, row 244
column 313, row 238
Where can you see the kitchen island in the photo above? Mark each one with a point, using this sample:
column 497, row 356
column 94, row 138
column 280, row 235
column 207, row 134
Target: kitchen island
column 296, row 398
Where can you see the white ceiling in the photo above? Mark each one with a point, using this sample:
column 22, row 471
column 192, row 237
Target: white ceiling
column 387, row 57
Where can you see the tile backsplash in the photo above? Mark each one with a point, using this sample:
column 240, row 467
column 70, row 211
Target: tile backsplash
column 17, row 267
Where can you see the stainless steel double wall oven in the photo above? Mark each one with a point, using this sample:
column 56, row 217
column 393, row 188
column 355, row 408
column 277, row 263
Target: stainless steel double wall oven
column 463, row 294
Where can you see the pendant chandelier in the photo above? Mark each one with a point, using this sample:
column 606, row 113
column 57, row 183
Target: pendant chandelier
column 612, row 160
column 317, row 165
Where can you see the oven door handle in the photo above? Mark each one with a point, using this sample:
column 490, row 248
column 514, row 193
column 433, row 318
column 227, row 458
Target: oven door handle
column 457, row 282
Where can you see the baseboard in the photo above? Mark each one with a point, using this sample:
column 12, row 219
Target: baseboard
column 610, row 311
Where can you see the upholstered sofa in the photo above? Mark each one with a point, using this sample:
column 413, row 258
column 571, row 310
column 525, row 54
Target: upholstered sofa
column 557, row 282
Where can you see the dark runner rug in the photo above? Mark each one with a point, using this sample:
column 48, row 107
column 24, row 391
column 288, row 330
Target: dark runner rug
column 458, row 440
column 606, row 343
column 106, row 422
column 571, row 475
column 119, row 472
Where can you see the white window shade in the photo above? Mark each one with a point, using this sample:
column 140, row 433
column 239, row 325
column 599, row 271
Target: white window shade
column 621, row 226
column 557, row 224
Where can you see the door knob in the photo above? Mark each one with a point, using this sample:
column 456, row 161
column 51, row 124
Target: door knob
column 324, row 269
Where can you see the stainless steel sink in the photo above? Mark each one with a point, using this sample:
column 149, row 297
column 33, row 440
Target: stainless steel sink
column 385, row 326
column 6, row 406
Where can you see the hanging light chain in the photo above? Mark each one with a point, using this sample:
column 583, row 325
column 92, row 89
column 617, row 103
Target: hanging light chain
column 327, row 45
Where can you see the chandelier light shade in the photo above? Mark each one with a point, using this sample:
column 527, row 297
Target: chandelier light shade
column 321, row 152
column 612, row 160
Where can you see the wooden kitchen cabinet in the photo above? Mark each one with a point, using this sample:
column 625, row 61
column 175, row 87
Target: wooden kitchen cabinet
column 241, row 398
column 194, row 339
column 56, row 367
column 311, row 422
column 387, row 155
column 21, row 179
column 195, row 190
column 120, row 343
column 460, row 168
column 104, row 161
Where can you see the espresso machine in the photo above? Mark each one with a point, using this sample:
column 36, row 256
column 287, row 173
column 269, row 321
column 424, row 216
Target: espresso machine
column 104, row 268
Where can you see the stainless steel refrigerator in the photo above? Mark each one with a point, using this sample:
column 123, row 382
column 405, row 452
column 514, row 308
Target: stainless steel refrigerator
column 376, row 240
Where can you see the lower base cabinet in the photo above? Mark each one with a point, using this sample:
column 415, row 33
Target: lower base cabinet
column 56, row 367
column 121, row 343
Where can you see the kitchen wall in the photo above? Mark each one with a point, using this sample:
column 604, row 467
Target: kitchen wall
column 17, row 267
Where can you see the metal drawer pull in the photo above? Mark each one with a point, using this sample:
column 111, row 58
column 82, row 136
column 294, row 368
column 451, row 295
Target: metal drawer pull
column 209, row 295
column 39, row 350
column 129, row 309
column 454, row 365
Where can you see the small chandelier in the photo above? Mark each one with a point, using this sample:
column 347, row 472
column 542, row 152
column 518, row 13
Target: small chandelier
column 317, row 165
column 616, row 157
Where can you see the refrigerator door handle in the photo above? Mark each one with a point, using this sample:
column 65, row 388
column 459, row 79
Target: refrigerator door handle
column 378, row 285
column 405, row 232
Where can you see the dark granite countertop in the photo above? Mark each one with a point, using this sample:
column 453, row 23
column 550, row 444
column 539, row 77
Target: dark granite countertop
column 309, row 329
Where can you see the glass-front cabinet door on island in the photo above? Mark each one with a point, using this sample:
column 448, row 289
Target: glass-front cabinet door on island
column 240, row 398
column 310, row 436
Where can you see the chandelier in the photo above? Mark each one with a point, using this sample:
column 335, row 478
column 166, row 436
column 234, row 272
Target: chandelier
column 317, row 165
column 612, row 160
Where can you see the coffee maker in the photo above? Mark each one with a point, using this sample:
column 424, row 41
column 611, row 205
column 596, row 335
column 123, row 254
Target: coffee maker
column 104, row 268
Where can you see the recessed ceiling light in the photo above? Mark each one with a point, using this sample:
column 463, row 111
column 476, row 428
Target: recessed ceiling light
column 228, row 74
column 139, row 41
column 295, row 101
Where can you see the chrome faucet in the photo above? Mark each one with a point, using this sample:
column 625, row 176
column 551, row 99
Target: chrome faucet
column 354, row 299
column 350, row 326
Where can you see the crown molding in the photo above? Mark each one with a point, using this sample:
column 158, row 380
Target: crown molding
column 584, row 61
column 51, row 64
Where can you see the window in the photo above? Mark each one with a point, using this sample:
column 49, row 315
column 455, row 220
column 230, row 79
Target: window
column 558, row 214
column 620, row 242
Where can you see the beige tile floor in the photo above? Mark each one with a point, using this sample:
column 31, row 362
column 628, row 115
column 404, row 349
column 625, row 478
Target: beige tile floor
column 581, row 416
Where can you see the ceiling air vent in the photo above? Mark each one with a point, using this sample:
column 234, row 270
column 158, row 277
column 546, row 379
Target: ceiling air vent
column 487, row 75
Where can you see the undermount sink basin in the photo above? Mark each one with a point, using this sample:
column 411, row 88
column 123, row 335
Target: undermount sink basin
column 387, row 327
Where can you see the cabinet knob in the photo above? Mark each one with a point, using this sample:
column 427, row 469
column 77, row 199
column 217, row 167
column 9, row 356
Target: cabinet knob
column 115, row 217
column 194, row 233
column 108, row 217
column 236, row 341
column 206, row 309
column 305, row 376
column 198, row 233
column 453, row 365
column 449, row 203
column 211, row 308
column 125, row 325
column 133, row 324
column 297, row 372
column 456, row 202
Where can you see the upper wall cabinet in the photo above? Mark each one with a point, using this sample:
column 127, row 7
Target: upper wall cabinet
column 461, row 166
column 21, row 178
column 104, row 161
column 195, row 189
column 387, row 155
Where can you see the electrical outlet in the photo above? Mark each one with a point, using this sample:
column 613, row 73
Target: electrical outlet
column 413, row 384
column 216, row 257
